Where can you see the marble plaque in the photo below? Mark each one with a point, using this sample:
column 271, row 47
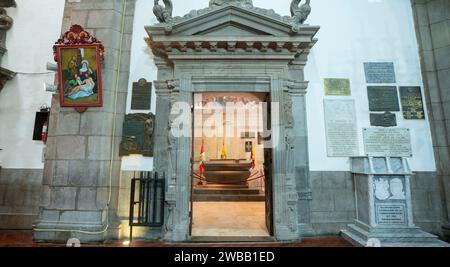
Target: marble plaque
column 386, row 119
column 379, row 72
column 141, row 95
column 390, row 213
column 341, row 129
column 383, row 98
column 387, row 142
column 337, row 87
column 412, row 103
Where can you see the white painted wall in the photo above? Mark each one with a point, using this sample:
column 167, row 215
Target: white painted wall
column 37, row 25
column 352, row 32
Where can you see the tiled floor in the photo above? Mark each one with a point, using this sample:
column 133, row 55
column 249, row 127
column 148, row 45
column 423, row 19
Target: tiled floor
column 25, row 239
column 229, row 219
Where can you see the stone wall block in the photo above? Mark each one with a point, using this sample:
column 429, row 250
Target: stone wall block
column 63, row 198
column 70, row 147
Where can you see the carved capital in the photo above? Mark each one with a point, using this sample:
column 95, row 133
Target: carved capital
column 5, row 75
column 295, row 87
column 165, row 88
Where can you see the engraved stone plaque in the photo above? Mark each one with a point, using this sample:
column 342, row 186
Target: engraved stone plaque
column 137, row 135
column 383, row 98
column 386, row 119
column 341, row 129
column 390, row 213
column 387, row 142
column 379, row 72
column 337, row 87
column 141, row 95
column 412, row 103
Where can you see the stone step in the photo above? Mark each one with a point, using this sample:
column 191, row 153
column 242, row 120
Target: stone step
column 405, row 237
column 225, row 191
column 221, row 186
column 228, row 198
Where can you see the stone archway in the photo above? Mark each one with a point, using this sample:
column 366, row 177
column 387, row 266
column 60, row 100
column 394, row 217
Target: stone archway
column 233, row 47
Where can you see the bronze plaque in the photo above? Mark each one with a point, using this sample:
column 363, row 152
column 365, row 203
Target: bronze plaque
column 338, row 87
column 137, row 135
column 412, row 103
column 383, row 98
column 141, row 95
column 387, row 119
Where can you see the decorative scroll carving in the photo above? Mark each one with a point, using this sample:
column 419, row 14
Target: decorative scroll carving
column 5, row 75
column 163, row 14
column 75, row 36
column 299, row 13
column 246, row 3
column 6, row 21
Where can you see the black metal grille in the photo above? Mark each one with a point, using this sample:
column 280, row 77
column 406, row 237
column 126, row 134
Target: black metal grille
column 147, row 200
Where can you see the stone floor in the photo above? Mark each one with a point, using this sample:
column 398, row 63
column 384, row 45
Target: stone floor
column 224, row 219
column 25, row 239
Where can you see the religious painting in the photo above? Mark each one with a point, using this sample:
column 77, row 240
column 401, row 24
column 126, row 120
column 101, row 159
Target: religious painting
column 79, row 74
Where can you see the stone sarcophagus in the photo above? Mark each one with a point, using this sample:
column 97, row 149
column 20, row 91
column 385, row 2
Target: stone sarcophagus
column 227, row 172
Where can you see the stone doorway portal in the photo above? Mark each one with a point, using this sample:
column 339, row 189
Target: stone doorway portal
column 229, row 194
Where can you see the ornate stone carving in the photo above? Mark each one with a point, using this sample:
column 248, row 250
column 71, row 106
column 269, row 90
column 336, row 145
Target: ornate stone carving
column 5, row 75
column 245, row 3
column 163, row 14
column 6, row 21
column 287, row 107
column 299, row 13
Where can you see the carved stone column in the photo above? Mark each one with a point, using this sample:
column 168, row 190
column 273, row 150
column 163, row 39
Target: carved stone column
column 180, row 130
column 297, row 88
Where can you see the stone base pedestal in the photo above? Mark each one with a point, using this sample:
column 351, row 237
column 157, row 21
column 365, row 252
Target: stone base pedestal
column 362, row 235
column 446, row 232
column 383, row 206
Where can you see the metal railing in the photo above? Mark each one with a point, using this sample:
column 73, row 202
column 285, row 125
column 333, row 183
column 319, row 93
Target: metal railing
column 147, row 201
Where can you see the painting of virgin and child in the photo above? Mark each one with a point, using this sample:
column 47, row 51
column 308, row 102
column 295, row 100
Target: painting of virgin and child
column 79, row 76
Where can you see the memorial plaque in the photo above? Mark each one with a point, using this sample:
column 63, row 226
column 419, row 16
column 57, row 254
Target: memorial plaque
column 341, row 129
column 337, row 87
column 412, row 103
column 137, row 137
column 390, row 213
column 387, row 142
column 379, row 72
column 141, row 95
column 386, row 119
column 390, row 200
column 383, row 98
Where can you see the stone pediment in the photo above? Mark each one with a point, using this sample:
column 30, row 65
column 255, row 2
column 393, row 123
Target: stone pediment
column 233, row 27
column 226, row 20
